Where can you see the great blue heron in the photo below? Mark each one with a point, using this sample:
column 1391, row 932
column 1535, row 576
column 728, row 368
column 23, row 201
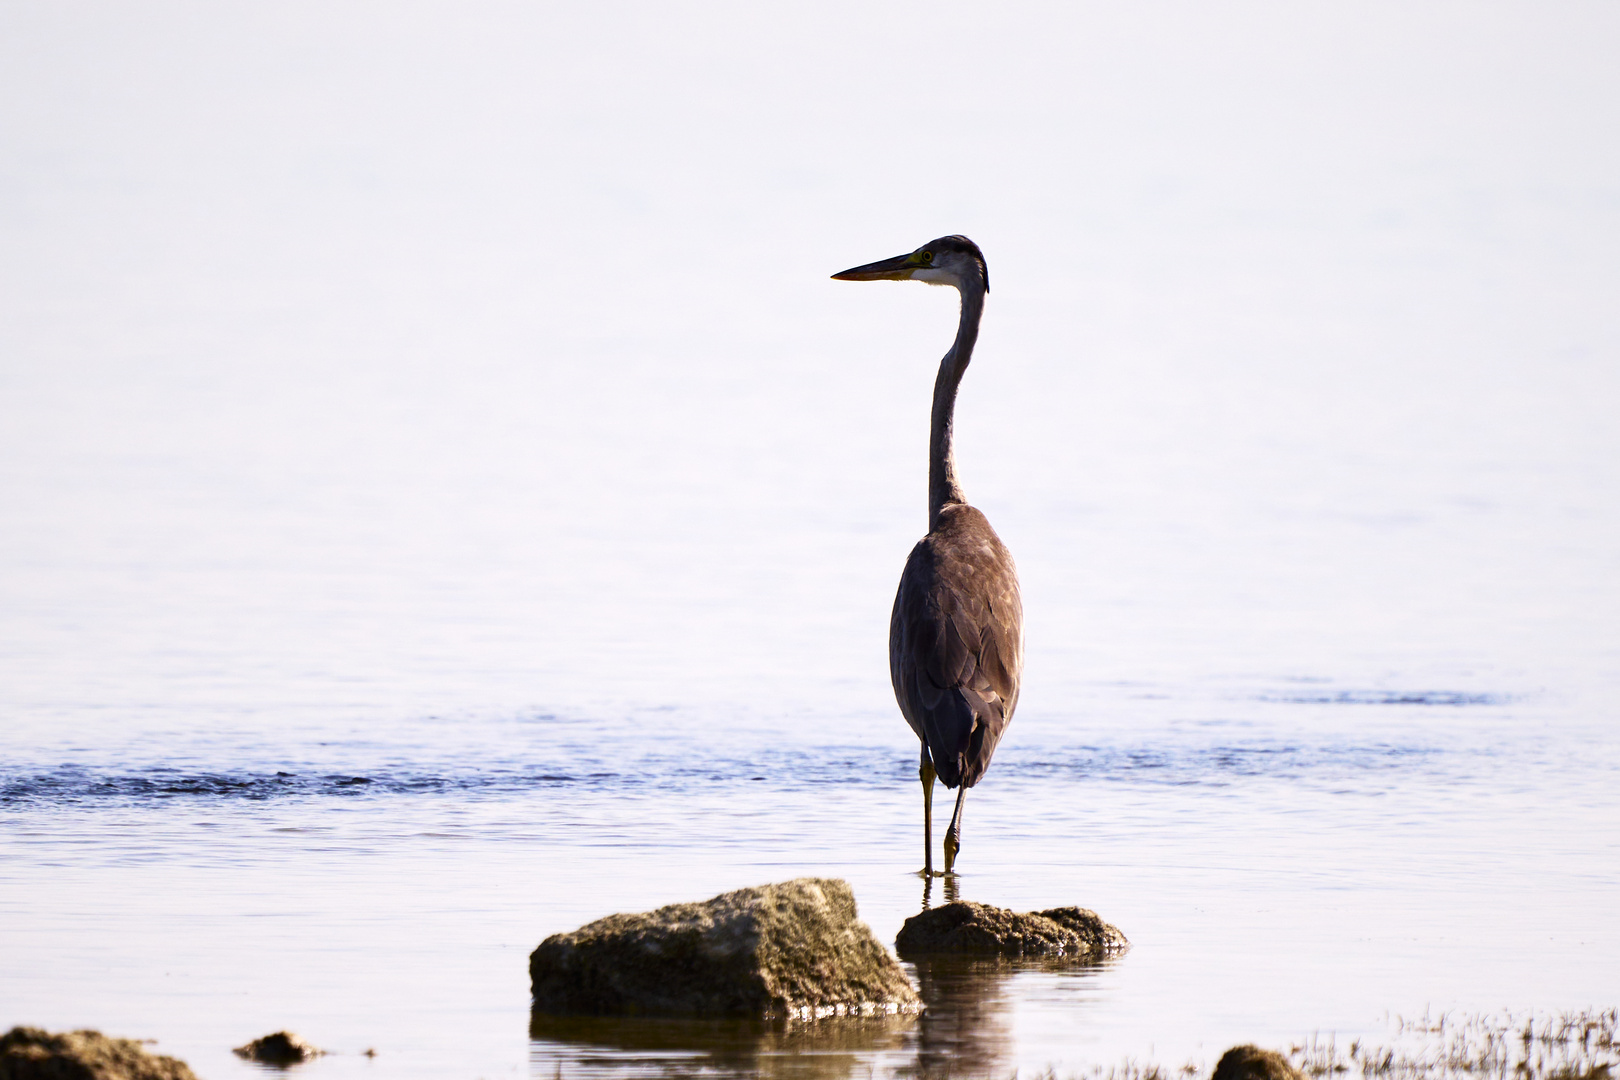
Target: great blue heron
column 956, row 636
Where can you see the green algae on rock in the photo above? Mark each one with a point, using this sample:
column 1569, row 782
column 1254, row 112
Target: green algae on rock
column 965, row 927
column 793, row 950
column 33, row 1054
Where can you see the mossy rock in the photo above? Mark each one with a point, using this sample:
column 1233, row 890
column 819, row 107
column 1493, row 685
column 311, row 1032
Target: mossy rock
column 282, row 1048
column 1249, row 1062
column 791, row 950
column 966, row 928
column 32, row 1054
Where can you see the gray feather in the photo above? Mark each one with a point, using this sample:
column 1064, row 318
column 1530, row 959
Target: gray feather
column 956, row 643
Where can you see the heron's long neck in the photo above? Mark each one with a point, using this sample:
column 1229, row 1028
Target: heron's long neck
column 942, row 485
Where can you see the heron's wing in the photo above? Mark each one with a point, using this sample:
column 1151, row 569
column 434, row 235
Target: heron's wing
column 956, row 644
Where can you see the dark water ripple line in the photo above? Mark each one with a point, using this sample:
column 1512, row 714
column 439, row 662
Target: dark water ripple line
column 1441, row 698
column 846, row 767
column 1220, row 763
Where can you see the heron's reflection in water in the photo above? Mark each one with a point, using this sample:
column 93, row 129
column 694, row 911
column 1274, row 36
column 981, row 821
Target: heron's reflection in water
column 953, row 890
column 967, row 1027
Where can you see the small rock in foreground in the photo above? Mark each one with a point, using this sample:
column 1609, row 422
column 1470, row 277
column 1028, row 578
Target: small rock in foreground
column 979, row 929
column 283, row 1048
column 792, row 950
column 32, row 1054
column 1249, row 1062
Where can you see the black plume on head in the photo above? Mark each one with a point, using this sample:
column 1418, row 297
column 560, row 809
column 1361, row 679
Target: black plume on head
column 957, row 242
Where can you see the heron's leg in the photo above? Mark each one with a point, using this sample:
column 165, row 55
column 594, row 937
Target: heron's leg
column 925, row 773
column 953, row 835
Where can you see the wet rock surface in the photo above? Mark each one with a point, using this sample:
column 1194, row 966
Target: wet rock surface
column 967, row 928
column 1249, row 1062
column 33, row 1054
column 790, row 950
column 282, row 1048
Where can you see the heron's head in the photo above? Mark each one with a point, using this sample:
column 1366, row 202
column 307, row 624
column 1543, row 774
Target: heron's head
column 950, row 260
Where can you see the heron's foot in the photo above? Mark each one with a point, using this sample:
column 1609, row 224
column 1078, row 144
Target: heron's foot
column 952, row 846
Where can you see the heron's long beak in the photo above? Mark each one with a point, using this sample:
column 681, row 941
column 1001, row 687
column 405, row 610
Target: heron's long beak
column 898, row 268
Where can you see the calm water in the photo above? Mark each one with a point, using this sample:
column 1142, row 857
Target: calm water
column 443, row 501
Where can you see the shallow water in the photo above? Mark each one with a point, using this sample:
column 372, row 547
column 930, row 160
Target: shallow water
column 1271, row 887
column 444, row 502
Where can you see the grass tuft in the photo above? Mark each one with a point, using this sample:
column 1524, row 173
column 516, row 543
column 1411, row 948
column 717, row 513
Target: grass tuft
column 1497, row 1046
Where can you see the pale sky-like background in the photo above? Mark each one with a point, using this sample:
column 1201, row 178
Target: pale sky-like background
column 354, row 299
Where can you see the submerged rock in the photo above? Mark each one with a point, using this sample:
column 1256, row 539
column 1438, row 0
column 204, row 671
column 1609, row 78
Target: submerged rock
column 979, row 929
column 1249, row 1062
column 794, row 949
column 282, row 1048
column 31, row 1054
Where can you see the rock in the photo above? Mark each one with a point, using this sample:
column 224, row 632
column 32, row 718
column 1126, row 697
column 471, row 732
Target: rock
column 979, row 929
column 1249, row 1062
column 32, row 1054
column 794, row 950
column 282, row 1048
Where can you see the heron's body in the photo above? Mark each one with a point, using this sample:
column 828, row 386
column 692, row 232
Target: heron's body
column 955, row 643
column 956, row 636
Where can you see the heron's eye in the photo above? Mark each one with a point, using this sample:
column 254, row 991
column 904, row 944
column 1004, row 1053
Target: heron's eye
column 925, row 257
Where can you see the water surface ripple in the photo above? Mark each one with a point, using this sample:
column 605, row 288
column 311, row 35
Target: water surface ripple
column 843, row 767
